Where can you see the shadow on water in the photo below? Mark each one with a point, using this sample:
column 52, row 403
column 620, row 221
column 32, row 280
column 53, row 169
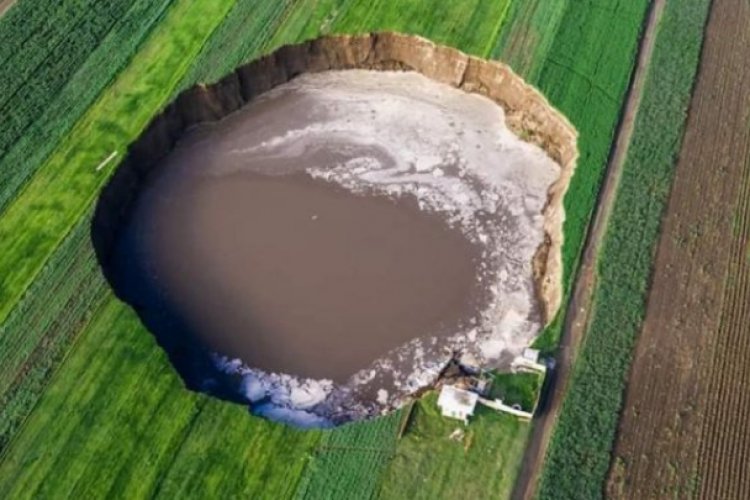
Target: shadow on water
column 290, row 274
column 187, row 352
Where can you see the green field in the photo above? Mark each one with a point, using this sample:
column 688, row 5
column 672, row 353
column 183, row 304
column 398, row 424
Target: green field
column 89, row 404
column 49, row 101
column 522, row 389
column 579, row 453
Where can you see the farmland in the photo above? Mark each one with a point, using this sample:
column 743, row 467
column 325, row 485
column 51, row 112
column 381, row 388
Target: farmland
column 90, row 404
column 692, row 352
column 41, row 108
column 579, row 454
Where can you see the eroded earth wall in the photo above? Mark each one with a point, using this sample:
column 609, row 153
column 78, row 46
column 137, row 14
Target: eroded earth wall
column 528, row 114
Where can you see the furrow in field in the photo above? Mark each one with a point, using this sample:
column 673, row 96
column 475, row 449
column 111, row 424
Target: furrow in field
column 725, row 433
column 681, row 426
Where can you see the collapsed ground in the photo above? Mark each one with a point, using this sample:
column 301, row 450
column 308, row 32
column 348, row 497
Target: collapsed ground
column 451, row 153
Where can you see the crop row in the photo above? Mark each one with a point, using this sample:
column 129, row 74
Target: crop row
column 42, row 328
column 579, row 454
column 21, row 104
column 724, row 432
column 20, row 27
column 41, row 44
column 529, row 35
column 64, row 187
column 244, row 34
column 350, row 460
column 585, row 75
column 58, row 91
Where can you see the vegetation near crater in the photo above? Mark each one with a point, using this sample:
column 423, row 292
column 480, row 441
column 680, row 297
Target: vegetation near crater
column 90, row 405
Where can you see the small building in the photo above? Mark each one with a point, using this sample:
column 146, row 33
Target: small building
column 531, row 355
column 528, row 361
column 457, row 403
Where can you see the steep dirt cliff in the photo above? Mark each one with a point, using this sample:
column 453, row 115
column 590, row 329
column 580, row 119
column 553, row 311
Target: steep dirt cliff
column 528, row 114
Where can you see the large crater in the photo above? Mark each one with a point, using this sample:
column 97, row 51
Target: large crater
column 320, row 232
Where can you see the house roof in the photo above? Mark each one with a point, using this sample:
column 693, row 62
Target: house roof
column 453, row 398
column 531, row 354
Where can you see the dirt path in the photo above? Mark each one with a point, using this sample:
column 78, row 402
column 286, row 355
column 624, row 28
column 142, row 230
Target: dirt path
column 577, row 313
column 5, row 5
column 683, row 430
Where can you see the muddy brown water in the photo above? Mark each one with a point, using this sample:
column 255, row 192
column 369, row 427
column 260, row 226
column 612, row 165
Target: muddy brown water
column 300, row 276
column 250, row 257
column 336, row 241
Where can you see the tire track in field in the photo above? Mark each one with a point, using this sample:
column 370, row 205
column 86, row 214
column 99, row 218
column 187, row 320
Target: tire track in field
column 579, row 305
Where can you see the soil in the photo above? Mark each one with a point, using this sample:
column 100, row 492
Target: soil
column 683, row 430
column 577, row 313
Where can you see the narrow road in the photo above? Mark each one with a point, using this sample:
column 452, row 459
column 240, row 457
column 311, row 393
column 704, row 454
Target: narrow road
column 579, row 306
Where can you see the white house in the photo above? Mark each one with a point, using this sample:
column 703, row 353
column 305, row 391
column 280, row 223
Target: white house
column 528, row 361
column 457, row 403
column 531, row 354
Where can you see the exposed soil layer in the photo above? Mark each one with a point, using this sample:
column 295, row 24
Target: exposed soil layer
column 405, row 221
column 683, row 429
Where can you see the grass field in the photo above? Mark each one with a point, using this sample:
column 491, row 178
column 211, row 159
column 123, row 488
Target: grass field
column 481, row 462
column 91, row 406
column 53, row 97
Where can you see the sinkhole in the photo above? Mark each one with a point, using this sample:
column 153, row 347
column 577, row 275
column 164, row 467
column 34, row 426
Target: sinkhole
column 320, row 232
